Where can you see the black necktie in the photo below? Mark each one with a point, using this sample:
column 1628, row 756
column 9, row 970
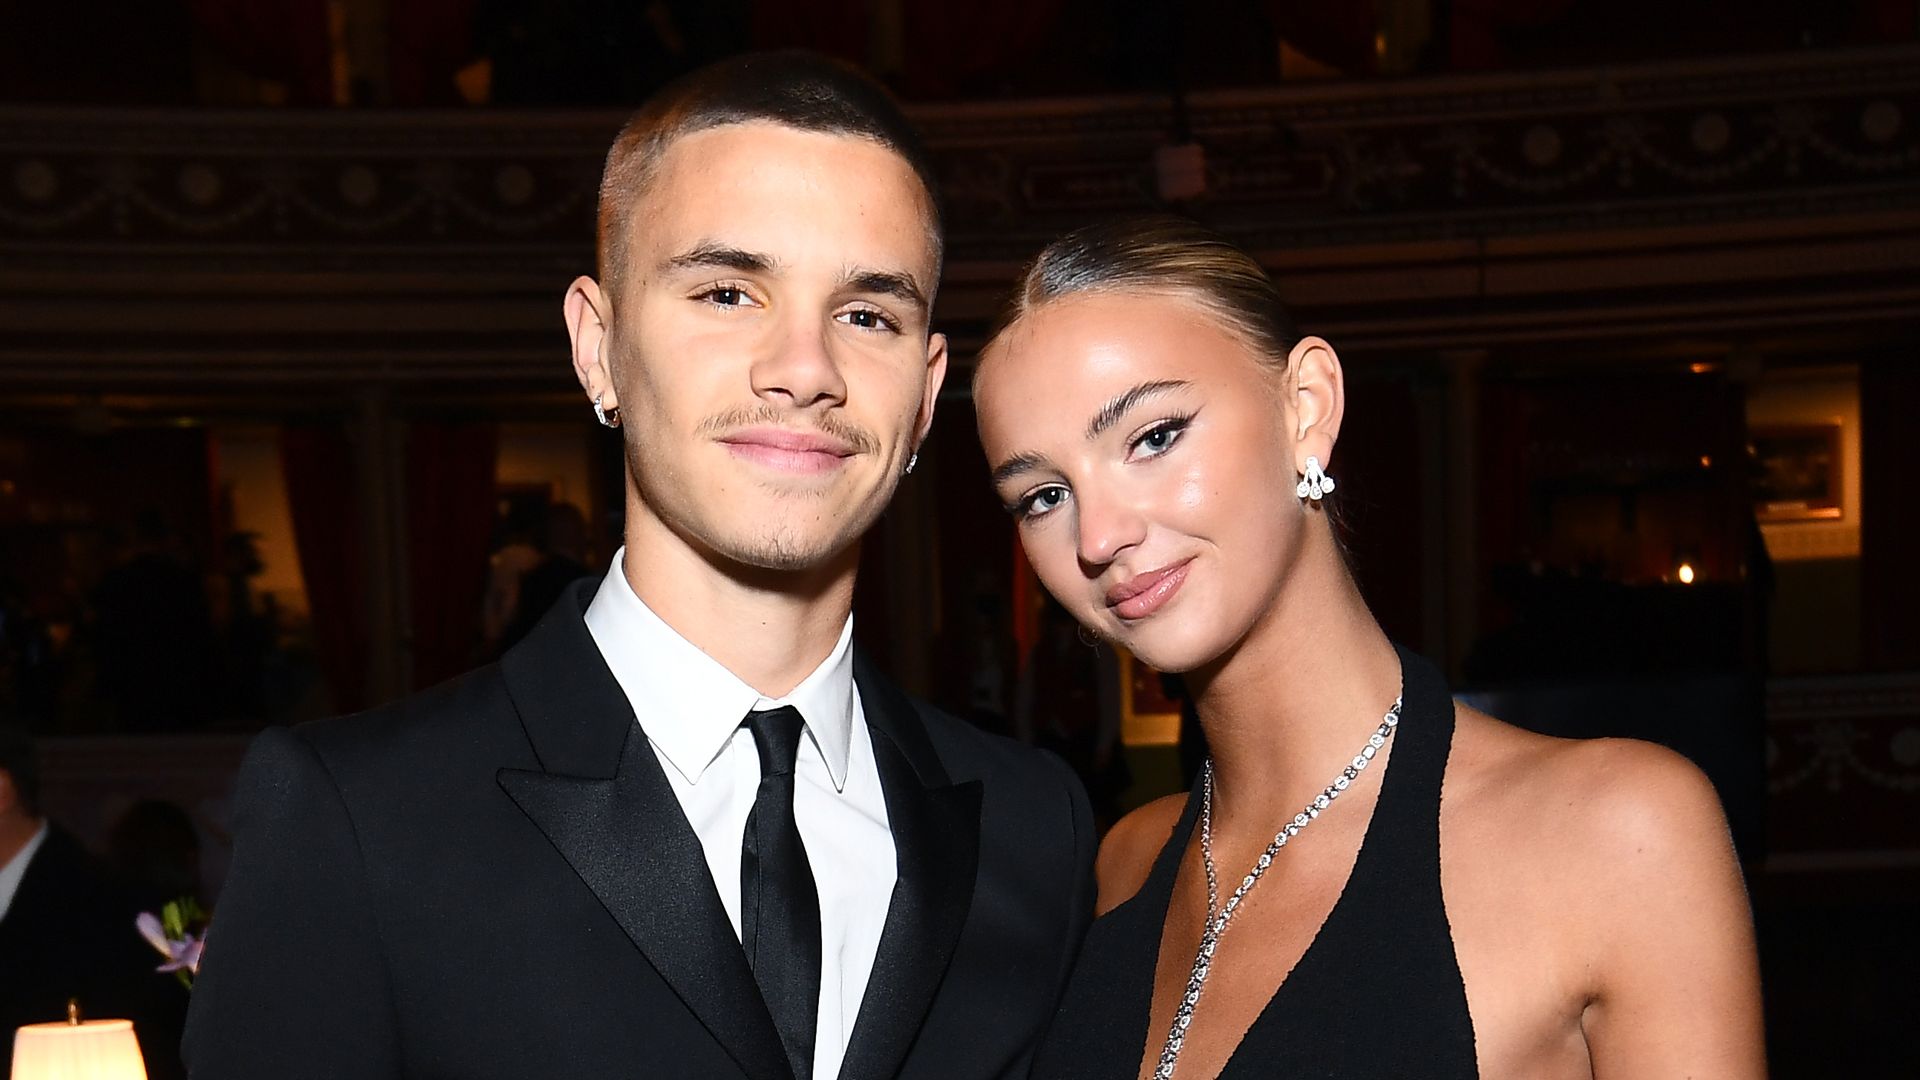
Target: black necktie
column 779, row 909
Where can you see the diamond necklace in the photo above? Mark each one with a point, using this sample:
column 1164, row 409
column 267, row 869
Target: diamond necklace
column 1216, row 924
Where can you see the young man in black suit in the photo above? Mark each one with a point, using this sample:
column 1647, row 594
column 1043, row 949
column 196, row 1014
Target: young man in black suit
column 683, row 828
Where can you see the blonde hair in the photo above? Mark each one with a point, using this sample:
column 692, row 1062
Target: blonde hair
column 1165, row 255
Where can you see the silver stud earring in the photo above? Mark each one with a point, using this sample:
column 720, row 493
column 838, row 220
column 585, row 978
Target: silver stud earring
column 1314, row 484
column 912, row 460
column 608, row 417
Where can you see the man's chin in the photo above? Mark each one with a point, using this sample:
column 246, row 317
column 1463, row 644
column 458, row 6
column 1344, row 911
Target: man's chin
column 786, row 551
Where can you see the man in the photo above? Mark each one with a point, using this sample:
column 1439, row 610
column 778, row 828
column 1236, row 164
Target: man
column 66, row 929
column 682, row 829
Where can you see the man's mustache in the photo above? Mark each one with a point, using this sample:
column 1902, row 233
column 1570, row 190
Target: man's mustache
column 826, row 424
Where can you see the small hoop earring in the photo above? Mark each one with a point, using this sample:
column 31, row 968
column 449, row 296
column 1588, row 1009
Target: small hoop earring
column 609, row 418
column 912, row 460
column 1314, row 484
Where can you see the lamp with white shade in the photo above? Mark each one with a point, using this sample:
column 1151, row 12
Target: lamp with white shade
column 78, row 1050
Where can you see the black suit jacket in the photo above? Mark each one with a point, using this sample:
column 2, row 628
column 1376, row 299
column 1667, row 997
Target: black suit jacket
column 494, row 879
column 70, row 934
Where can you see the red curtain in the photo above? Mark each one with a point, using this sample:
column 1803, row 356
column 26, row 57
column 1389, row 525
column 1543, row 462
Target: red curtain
column 318, row 463
column 286, row 41
column 1339, row 35
column 1478, row 27
column 427, row 42
column 450, row 513
column 951, row 49
column 835, row 27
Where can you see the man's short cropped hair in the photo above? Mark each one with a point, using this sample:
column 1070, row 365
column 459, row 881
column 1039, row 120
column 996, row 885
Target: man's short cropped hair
column 797, row 89
column 19, row 761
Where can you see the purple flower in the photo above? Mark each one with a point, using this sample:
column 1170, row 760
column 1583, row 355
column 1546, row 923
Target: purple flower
column 182, row 953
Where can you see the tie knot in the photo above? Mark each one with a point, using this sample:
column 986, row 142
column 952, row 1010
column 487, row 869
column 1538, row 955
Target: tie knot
column 776, row 735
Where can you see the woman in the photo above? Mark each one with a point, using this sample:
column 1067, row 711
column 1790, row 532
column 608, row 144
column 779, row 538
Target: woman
column 1368, row 880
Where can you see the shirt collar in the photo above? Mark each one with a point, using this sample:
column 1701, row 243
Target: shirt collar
column 15, row 870
column 691, row 703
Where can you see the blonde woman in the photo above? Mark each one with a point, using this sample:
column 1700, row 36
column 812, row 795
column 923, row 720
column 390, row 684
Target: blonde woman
column 1368, row 880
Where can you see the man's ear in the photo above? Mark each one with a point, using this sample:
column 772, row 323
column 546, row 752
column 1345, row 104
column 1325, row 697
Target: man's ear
column 1319, row 391
column 589, row 325
column 936, row 375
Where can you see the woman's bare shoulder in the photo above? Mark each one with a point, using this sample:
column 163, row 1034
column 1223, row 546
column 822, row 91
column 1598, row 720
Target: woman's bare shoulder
column 1602, row 784
column 1130, row 848
column 1609, row 809
column 1611, row 858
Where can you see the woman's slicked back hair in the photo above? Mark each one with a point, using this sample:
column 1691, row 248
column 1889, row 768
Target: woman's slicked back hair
column 1165, row 255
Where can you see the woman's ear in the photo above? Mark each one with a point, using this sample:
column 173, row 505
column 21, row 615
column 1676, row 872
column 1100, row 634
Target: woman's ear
column 1319, row 391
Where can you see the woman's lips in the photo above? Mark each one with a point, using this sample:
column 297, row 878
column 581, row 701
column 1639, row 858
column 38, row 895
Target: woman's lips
column 1144, row 594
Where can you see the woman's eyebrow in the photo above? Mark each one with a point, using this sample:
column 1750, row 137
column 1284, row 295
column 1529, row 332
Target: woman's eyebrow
column 1112, row 411
column 1017, row 464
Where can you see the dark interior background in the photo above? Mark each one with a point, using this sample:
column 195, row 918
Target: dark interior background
column 1626, row 292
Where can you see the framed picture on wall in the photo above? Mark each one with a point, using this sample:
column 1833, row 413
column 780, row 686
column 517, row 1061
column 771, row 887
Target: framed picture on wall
column 1797, row 473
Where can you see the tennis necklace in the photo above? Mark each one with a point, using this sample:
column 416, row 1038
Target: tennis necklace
column 1218, row 916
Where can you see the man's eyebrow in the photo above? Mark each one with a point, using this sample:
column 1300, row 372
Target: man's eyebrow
column 1015, row 465
column 1112, row 411
column 711, row 256
column 888, row 283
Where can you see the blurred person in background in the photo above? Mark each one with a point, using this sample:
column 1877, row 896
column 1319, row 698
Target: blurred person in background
column 562, row 545
column 153, row 633
column 67, row 929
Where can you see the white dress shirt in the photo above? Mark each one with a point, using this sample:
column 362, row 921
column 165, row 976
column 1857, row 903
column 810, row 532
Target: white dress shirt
column 691, row 708
column 16, row 868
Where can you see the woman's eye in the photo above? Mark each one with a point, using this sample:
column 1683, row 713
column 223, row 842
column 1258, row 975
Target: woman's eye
column 1160, row 438
column 1043, row 501
column 868, row 319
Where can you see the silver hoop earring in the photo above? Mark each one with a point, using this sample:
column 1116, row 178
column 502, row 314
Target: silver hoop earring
column 609, row 418
column 1314, row 484
column 912, row 460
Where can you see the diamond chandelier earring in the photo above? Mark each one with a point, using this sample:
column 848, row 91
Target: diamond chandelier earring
column 1314, row 484
column 609, row 418
column 912, row 460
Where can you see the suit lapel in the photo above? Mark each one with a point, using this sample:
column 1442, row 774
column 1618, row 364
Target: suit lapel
column 936, row 838
column 602, row 800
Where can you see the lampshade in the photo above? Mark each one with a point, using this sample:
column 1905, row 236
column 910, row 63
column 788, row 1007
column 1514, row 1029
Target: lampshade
column 90, row 1050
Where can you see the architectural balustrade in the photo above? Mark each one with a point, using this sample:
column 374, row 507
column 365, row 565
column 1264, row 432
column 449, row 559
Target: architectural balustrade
column 1287, row 167
column 1694, row 195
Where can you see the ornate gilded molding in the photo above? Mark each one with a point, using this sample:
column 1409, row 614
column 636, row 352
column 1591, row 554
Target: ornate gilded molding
column 1314, row 166
column 1843, row 765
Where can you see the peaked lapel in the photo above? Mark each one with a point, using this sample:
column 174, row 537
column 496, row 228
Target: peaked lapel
column 936, row 839
column 602, row 800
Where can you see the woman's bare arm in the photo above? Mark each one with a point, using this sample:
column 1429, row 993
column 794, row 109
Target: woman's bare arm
column 1676, row 975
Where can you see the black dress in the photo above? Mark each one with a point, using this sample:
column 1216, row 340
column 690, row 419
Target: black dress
column 1377, row 993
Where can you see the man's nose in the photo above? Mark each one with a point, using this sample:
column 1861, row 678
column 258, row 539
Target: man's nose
column 799, row 366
